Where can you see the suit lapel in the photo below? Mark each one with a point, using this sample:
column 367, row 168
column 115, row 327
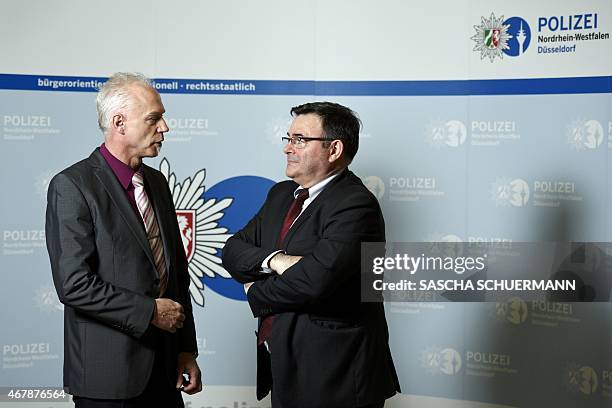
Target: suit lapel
column 112, row 186
column 312, row 207
column 281, row 208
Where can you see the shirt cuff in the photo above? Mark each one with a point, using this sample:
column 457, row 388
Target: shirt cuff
column 265, row 265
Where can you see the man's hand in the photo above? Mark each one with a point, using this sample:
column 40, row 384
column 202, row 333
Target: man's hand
column 187, row 364
column 168, row 315
column 281, row 262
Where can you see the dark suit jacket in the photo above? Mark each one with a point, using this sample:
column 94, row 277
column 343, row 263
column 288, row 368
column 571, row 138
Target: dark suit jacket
column 328, row 349
column 104, row 273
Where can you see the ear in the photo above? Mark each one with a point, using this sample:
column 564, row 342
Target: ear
column 336, row 149
column 118, row 123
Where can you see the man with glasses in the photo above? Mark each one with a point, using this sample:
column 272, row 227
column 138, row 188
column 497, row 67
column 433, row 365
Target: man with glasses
column 319, row 346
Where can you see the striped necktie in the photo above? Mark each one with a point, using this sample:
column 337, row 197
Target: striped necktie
column 152, row 228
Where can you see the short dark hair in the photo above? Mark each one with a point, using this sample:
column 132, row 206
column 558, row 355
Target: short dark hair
column 339, row 122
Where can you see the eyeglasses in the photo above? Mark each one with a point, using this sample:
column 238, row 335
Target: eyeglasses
column 300, row 141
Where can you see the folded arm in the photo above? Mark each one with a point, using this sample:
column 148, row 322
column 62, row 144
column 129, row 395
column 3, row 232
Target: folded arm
column 243, row 253
column 334, row 260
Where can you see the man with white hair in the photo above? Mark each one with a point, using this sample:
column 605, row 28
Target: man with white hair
column 118, row 262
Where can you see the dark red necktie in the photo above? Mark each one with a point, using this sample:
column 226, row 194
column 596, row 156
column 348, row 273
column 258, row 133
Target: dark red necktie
column 294, row 211
column 292, row 214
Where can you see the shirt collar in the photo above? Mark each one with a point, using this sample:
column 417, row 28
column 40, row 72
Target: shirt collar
column 123, row 172
column 317, row 188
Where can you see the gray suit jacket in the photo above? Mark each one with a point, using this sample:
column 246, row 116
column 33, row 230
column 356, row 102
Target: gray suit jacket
column 104, row 274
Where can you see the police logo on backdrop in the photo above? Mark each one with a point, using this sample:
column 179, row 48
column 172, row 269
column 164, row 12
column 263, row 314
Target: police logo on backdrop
column 441, row 361
column 508, row 192
column 581, row 379
column 514, row 310
column 186, row 222
column 200, row 233
column 375, row 185
column 42, row 183
column 276, row 129
column 520, row 33
column 496, row 37
column 491, row 37
column 585, row 134
column 451, row 133
column 555, row 34
column 448, row 246
column 206, row 219
column 47, row 300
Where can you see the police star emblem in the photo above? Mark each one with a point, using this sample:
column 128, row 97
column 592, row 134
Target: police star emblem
column 201, row 235
column 491, row 37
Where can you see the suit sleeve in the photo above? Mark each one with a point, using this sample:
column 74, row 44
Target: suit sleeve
column 70, row 236
column 333, row 262
column 243, row 253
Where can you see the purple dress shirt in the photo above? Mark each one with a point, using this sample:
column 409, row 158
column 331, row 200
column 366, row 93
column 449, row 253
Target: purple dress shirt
column 124, row 174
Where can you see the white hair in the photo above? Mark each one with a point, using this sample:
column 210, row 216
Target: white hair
column 114, row 96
